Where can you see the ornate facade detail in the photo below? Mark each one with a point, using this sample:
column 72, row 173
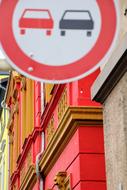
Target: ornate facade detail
column 20, row 99
column 15, row 187
column 50, row 130
column 62, row 105
column 16, row 108
column 68, row 183
column 23, row 83
column 26, row 165
column 22, row 173
column 29, row 179
column 29, row 159
column 20, row 82
column 13, row 102
column 14, row 97
column 10, row 124
column 11, row 137
column 62, row 181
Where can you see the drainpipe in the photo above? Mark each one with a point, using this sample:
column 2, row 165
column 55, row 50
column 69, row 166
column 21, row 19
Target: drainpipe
column 37, row 163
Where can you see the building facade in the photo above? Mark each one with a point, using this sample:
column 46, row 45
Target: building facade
column 4, row 148
column 72, row 156
column 55, row 135
column 23, row 99
column 110, row 89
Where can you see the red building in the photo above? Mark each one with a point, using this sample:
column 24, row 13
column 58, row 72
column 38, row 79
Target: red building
column 56, row 136
column 73, row 156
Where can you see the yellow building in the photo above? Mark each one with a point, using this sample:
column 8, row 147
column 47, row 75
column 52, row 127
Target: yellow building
column 4, row 151
column 24, row 133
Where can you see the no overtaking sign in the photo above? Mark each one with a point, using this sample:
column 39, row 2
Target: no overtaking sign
column 58, row 41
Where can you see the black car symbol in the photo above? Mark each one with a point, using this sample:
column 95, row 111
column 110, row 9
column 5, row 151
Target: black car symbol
column 76, row 20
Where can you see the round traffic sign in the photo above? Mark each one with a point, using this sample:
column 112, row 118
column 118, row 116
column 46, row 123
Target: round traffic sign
column 58, row 41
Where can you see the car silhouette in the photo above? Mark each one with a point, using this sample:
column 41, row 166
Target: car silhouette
column 36, row 19
column 76, row 20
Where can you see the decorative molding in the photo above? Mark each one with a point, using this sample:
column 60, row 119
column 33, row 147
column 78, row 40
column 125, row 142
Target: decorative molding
column 28, row 143
column 62, row 104
column 23, row 83
column 50, row 130
column 29, row 179
column 26, row 165
column 16, row 108
column 16, row 83
column 11, row 137
column 10, row 124
column 14, row 97
column 14, row 177
column 62, row 181
column 57, row 91
column 25, row 155
column 29, row 158
column 10, row 88
column 17, row 77
column 73, row 117
column 59, row 180
column 22, row 172
column 20, row 79
column 67, row 182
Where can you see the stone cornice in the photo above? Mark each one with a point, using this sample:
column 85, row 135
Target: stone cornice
column 111, row 74
column 73, row 117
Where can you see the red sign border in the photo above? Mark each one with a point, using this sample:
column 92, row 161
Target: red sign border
column 65, row 73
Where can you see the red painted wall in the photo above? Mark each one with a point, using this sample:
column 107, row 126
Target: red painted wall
column 83, row 158
column 80, row 91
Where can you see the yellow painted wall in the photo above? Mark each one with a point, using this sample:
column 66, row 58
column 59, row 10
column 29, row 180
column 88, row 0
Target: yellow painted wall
column 48, row 89
column 21, row 122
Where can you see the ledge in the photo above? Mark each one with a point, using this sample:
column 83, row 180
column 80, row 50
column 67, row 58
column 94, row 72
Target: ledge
column 73, row 117
column 112, row 73
column 22, row 156
column 30, row 179
column 58, row 89
column 31, row 138
column 14, row 177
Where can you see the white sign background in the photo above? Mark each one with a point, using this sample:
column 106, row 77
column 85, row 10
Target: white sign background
column 56, row 49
